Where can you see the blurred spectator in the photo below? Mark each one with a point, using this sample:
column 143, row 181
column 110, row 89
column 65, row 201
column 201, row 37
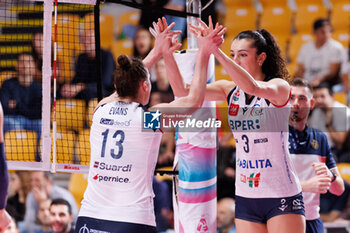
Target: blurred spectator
column 319, row 61
column 12, row 228
column 331, row 206
column 330, row 116
column 37, row 51
column 345, row 76
column 226, row 166
column 161, row 85
column 226, row 216
column 84, row 83
column 43, row 188
column 162, row 205
column 143, row 43
column 21, row 98
column 43, row 216
column 20, row 187
column 61, row 216
column 311, row 155
column 166, row 150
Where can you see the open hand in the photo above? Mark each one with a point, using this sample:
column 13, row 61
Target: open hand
column 209, row 38
column 166, row 40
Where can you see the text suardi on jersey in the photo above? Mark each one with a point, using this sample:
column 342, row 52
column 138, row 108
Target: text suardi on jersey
column 257, row 119
column 116, row 173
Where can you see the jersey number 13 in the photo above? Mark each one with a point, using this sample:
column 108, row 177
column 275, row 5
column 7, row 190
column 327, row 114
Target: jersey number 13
column 119, row 137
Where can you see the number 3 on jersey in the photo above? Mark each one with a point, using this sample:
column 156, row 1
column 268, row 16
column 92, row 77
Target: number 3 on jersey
column 246, row 141
column 119, row 135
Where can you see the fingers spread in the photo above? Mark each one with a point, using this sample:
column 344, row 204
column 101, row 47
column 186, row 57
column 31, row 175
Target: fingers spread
column 202, row 23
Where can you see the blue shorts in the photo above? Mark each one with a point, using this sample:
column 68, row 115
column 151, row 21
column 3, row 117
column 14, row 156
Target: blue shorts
column 260, row 210
column 314, row 226
column 87, row 225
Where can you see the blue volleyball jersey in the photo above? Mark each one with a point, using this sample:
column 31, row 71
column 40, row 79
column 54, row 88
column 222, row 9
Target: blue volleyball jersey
column 308, row 147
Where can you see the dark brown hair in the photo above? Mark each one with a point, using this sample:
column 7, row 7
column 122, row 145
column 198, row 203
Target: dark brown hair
column 263, row 41
column 127, row 76
column 299, row 82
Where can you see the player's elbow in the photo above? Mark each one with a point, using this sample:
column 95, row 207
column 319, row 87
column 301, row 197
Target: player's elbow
column 195, row 101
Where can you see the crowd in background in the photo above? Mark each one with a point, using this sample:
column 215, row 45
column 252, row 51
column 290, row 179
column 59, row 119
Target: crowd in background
column 38, row 205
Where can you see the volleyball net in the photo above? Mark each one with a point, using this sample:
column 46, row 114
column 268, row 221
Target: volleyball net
column 47, row 110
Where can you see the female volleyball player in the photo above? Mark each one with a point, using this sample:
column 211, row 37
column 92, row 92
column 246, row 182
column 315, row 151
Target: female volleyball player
column 119, row 196
column 268, row 193
column 5, row 218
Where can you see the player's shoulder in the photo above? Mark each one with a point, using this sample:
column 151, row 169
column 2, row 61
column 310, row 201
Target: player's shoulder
column 317, row 134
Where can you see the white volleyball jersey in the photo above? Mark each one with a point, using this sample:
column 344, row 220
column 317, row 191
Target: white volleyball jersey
column 263, row 165
column 123, row 159
column 308, row 147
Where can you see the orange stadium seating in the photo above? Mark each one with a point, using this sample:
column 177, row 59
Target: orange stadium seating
column 340, row 15
column 20, row 145
column 83, row 147
column 70, row 114
column 307, row 12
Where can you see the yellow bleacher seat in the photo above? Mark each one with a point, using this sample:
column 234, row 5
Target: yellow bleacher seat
column 106, row 28
column 340, row 15
column 277, row 19
column 83, row 147
column 240, row 19
column 340, row 97
column 90, row 111
column 77, row 185
column 307, row 12
column 184, row 44
column 235, row 3
column 130, row 17
column 282, row 40
column 344, row 170
column 342, row 37
column 164, row 177
column 4, row 75
column 226, row 46
column 270, row 3
column 20, row 145
column 64, row 147
column 291, row 67
column 68, row 43
column 296, row 41
column 122, row 47
column 220, row 73
column 70, row 114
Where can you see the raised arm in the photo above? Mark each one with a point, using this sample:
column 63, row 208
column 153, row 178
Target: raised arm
column 275, row 90
column 214, row 91
column 163, row 38
column 207, row 44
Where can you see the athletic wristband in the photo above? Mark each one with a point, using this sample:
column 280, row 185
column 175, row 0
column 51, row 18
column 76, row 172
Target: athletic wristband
column 334, row 175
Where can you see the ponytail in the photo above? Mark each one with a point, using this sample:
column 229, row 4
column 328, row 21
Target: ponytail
column 274, row 65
